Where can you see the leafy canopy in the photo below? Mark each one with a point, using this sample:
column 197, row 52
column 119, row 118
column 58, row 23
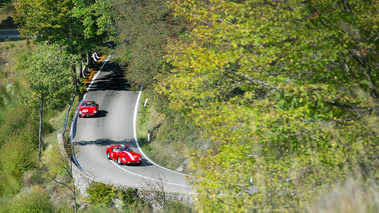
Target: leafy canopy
column 287, row 90
column 47, row 70
column 78, row 24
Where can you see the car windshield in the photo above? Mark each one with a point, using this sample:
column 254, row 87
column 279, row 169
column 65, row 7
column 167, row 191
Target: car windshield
column 123, row 149
column 88, row 104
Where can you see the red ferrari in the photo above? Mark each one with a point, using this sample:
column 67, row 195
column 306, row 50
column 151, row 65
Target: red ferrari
column 123, row 154
column 88, row 108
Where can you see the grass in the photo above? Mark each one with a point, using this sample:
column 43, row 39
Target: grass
column 163, row 150
column 8, row 54
column 352, row 197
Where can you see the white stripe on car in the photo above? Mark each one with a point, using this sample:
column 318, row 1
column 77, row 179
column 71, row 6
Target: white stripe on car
column 130, row 155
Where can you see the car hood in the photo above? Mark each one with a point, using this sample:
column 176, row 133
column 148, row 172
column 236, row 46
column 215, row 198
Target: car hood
column 131, row 154
column 88, row 107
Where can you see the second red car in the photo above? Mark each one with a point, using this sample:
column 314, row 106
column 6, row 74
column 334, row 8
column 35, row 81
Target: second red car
column 123, row 154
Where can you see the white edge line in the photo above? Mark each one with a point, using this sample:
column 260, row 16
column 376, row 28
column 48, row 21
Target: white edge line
column 76, row 117
column 141, row 176
column 94, row 78
column 136, row 140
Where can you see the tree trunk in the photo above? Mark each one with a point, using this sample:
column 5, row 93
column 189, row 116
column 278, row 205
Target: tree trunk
column 73, row 77
column 89, row 59
column 40, row 125
column 73, row 186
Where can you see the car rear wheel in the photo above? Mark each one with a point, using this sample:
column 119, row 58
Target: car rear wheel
column 119, row 161
column 108, row 156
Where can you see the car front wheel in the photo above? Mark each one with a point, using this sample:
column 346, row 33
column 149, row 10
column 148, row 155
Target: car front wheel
column 108, row 156
column 119, row 161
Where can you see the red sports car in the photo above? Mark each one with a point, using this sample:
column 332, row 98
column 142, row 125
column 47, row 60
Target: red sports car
column 88, row 108
column 123, row 154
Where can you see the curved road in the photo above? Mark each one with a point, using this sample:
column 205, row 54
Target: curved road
column 114, row 125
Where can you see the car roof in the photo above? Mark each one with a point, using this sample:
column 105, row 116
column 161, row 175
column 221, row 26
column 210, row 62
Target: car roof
column 118, row 145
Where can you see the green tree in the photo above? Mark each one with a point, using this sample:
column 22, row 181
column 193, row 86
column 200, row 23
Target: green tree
column 286, row 90
column 47, row 70
column 78, row 24
column 142, row 29
column 4, row 2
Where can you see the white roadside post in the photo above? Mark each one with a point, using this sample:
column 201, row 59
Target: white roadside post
column 148, row 135
column 145, row 102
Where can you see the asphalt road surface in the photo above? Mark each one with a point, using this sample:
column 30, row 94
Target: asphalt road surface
column 9, row 34
column 115, row 125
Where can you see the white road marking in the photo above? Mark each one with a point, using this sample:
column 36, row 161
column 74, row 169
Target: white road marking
column 136, row 140
column 94, row 78
column 144, row 177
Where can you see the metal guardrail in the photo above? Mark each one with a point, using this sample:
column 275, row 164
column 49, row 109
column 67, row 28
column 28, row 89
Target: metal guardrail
column 68, row 113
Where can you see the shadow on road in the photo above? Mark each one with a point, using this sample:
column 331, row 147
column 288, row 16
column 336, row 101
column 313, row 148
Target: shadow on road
column 105, row 142
column 112, row 78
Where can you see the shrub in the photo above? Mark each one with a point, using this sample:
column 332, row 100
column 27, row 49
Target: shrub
column 33, row 177
column 16, row 157
column 35, row 201
column 176, row 206
column 100, row 209
column 9, row 184
column 101, row 194
column 4, row 207
column 131, row 200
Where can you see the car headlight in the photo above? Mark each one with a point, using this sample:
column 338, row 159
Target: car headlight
column 94, row 111
column 124, row 159
column 140, row 158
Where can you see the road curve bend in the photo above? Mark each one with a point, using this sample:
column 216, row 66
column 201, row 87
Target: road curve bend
column 115, row 124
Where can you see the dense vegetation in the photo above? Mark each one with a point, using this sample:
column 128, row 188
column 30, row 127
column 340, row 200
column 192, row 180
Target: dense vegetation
column 285, row 94
column 274, row 103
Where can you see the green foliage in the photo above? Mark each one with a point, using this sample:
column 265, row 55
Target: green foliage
column 4, row 207
column 142, row 29
column 18, row 143
column 79, row 25
column 34, row 201
column 16, row 157
column 9, row 184
column 176, row 206
column 18, row 122
column 101, row 209
column 48, row 71
column 33, row 177
column 54, row 163
column 131, row 201
column 94, row 16
column 287, row 92
column 128, row 196
column 3, row 2
column 101, row 194
column 19, row 136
